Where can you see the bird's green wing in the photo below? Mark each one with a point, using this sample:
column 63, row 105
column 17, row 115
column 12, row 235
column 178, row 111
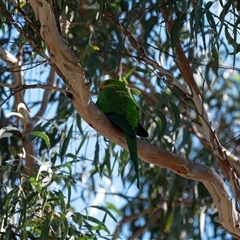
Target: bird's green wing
column 121, row 122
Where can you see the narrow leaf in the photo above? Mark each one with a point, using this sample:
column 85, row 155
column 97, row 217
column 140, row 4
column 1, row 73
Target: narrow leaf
column 104, row 209
column 43, row 136
column 66, row 142
column 174, row 110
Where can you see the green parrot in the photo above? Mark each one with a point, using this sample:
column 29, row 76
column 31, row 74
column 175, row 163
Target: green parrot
column 119, row 107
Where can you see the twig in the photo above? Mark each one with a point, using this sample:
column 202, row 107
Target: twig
column 17, row 88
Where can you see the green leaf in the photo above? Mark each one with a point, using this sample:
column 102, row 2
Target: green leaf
column 114, row 208
column 211, row 19
column 215, row 58
column 104, row 209
column 136, row 91
column 65, row 227
column 9, row 234
column 66, row 142
column 79, row 124
column 96, row 154
column 130, row 73
column 45, row 229
column 36, row 184
column 101, row 9
column 3, row 25
column 124, row 80
column 61, row 200
column 225, row 11
column 104, row 218
column 177, row 25
column 170, row 214
column 100, row 225
column 43, row 136
column 174, row 110
column 161, row 123
column 7, row 200
column 107, row 161
column 232, row 41
column 78, row 219
column 208, row 6
column 91, row 49
column 185, row 139
column 84, row 138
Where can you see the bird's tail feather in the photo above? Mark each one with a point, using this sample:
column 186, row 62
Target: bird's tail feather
column 132, row 146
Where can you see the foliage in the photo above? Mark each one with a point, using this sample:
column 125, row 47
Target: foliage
column 74, row 163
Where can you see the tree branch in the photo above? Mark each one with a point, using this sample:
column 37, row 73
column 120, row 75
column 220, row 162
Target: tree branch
column 229, row 163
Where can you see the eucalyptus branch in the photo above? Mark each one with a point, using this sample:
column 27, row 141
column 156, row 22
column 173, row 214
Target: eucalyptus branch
column 229, row 163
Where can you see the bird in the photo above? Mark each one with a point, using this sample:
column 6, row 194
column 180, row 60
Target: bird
column 117, row 104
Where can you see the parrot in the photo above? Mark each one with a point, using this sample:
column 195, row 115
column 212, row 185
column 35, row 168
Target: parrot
column 117, row 104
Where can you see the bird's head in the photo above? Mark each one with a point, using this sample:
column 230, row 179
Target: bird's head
column 102, row 85
column 110, row 82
